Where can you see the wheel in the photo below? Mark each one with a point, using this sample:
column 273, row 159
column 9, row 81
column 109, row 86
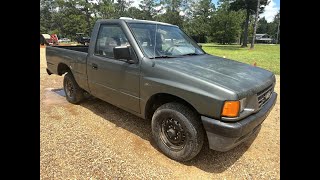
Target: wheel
column 177, row 131
column 74, row 94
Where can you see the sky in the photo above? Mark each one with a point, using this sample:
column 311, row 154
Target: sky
column 270, row 11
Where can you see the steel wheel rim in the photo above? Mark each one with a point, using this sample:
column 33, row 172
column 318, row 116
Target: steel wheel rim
column 172, row 134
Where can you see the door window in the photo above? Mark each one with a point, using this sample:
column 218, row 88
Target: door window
column 110, row 36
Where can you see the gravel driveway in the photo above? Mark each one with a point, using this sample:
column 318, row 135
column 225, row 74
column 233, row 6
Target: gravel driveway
column 95, row 140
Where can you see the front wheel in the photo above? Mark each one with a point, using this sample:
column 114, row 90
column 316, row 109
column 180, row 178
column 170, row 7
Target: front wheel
column 177, row 131
column 74, row 94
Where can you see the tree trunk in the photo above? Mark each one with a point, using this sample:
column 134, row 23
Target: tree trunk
column 245, row 33
column 278, row 31
column 88, row 18
column 255, row 25
column 88, row 23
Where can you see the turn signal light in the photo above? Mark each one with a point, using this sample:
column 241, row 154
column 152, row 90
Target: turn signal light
column 231, row 109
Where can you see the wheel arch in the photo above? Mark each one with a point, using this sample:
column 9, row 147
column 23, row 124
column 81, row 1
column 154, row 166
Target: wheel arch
column 63, row 68
column 159, row 99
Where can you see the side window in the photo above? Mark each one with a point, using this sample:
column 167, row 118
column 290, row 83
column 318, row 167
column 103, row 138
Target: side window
column 109, row 36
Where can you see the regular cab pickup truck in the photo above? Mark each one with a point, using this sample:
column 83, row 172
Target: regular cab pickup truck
column 157, row 72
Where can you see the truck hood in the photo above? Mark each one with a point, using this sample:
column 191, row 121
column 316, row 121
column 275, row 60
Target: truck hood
column 243, row 79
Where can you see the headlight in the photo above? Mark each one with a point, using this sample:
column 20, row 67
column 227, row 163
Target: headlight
column 243, row 104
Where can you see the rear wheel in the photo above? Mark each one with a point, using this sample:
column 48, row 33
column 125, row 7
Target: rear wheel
column 74, row 94
column 177, row 131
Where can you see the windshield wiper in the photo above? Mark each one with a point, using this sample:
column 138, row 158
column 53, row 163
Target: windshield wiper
column 190, row 54
column 164, row 56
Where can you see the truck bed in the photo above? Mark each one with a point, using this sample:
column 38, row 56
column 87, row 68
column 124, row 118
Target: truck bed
column 74, row 57
column 75, row 48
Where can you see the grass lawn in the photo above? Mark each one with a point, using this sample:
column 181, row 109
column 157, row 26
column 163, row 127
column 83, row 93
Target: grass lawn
column 265, row 55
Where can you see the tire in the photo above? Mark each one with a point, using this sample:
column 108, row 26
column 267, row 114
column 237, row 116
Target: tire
column 177, row 131
column 74, row 94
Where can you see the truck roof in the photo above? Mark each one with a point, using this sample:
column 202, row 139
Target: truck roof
column 130, row 20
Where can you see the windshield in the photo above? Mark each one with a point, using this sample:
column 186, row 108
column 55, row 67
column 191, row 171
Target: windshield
column 163, row 41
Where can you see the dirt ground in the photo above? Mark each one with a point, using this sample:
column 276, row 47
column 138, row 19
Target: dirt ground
column 95, row 140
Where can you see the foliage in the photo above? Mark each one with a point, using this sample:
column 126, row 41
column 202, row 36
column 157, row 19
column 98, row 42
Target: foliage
column 273, row 26
column 270, row 28
column 263, row 26
column 148, row 10
column 226, row 24
column 202, row 13
column 135, row 13
column 200, row 19
column 171, row 9
column 250, row 6
column 47, row 11
column 105, row 9
column 122, row 7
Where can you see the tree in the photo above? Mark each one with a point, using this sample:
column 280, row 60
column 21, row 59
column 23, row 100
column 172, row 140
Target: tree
column 199, row 18
column 202, row 12
column 272, row 27
column 136, row 13
column 70, row 19
column 262, row 26
column 105, row 9
column 255, row 25
column 47, row 10
column 172, row 9
column 122, row 6
column 277, row 20
column 226, row 24
column 86, row 7
column 77, row 11
column 148, row 9
column 250, row 6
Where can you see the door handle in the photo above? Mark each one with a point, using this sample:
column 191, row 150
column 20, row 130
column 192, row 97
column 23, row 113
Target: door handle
column 94, row 66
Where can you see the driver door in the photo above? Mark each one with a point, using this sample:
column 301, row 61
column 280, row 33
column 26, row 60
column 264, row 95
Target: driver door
column 109, row 79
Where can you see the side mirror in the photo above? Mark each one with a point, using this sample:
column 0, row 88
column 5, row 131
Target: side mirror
column 200, row 45
column 123, row 53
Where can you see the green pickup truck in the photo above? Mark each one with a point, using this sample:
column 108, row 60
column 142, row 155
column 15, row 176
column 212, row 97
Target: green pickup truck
column 157, row 72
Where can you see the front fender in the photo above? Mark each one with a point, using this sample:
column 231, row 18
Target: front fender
column 204, row 102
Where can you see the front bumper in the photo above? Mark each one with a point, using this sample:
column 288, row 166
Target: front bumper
column 223, row 136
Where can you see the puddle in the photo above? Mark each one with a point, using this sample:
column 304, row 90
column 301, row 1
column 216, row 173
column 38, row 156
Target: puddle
column 59, row 92
column 54, row 96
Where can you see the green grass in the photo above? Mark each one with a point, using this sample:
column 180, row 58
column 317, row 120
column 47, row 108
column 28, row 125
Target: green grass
column 265, row 55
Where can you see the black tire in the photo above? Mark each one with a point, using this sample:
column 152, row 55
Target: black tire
column 177, row 131
column 74, row 94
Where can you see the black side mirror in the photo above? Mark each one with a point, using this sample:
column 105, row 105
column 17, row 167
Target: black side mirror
column 123, row 53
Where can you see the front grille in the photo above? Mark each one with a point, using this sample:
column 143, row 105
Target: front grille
column 264, row 95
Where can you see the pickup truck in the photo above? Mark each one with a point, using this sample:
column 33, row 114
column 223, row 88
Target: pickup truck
column 84, row 40
column 157, row 72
